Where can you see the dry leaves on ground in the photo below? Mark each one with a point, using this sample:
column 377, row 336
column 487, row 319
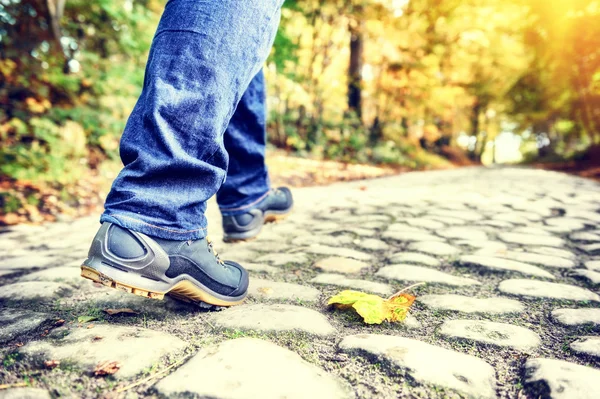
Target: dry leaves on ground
column 113, row 312
column 86, row 319
column 372, row 308
column 51, row 363
column 107, row 368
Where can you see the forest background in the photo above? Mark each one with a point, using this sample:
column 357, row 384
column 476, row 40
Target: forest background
column 400, row 84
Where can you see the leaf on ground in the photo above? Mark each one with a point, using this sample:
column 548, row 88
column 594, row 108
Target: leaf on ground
column 51, row 363
column 113, row 312
column 107, row 368
column 372, row 308
column 265, row 290
column 86, row 319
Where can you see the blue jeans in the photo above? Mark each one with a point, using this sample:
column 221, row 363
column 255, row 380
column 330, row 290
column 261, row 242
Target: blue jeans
column 199, row 124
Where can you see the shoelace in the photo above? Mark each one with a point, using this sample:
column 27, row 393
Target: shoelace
column 212, row 250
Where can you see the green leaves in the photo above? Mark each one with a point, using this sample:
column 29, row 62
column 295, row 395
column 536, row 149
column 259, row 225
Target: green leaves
column 372, row 308
column 86, row 319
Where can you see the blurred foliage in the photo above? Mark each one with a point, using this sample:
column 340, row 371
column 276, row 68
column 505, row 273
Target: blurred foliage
column 416, row 83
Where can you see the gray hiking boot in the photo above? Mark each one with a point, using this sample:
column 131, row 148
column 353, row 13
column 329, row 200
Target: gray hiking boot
column 152, row 267
column 246, row 226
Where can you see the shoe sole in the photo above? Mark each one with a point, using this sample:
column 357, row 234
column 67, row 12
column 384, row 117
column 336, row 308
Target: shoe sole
column 183, row 290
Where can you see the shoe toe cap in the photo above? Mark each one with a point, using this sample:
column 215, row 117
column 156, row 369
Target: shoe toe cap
column 244, row 279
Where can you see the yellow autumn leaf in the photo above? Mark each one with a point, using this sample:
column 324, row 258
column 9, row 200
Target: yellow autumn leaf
column 372, row 308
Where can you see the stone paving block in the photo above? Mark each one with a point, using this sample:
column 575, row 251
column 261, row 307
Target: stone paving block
column 273, row 318
column 133, row 347
column 322, row 239
column 361, row 285
column 284, row 259
column 372, row 244
column 587, row 346
column 410, row 236
column 14, row 323
column 465, row 233
column 29, row 261
column 561, row 253
column 559, row 379
column 64, row 274
column 470, row 216
column 266, row 289
column 577, row 317
column 584, row 236
column 44, row 291
column 593, row 265
column 527, row 239
column 251, row 368
column 344, row 252
column 536, row 259
column 488, row 332
column 589, row 275
column 481, row 246
column 259, row 267
column 338, row 264
column 535, row 231
column 543, row 289
column 452, row 370
column 588, row 217
column 592, row 249
column 238, row 254
column 415, row 257
column 490, row 262
column 425, row 223
column 565, row 224
column 405, row 228
column 423, row 274
column 496, row 223
column 466, row 304
column 451, row 221
column 24, row 393
column 359, row 231
column 434, row 248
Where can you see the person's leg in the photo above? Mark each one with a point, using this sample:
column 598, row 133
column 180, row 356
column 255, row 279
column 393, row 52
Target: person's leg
column 203, row 57
column 245, row 199
column 245, row 141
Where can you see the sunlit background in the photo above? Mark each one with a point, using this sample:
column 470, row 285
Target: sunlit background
column 412, row 84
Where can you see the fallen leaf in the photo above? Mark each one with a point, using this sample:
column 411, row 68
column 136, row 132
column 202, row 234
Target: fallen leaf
column 86, row 319
column 363, row 188
column 59, row 322
column 90, row 326
column 374, row 309
column 51, row 363
column 107, row 368
column 265, row 290
column 97, row 338
column 19, row 344
column 113, row 312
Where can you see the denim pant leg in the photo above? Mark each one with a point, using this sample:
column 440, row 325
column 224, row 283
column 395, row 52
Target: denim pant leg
column 203, row 57
column 245, row 139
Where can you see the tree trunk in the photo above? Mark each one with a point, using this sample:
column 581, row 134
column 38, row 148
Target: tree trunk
column 475, row 128
column 355, row 70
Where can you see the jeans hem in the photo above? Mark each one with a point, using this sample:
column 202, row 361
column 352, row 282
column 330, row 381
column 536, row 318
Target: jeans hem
column 243, row 208
column 140, row 226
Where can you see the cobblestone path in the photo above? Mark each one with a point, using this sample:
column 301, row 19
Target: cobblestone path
column 511, row 258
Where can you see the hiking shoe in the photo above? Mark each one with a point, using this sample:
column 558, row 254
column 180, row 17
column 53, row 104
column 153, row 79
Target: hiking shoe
column 246, row 226
column 152, row 267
